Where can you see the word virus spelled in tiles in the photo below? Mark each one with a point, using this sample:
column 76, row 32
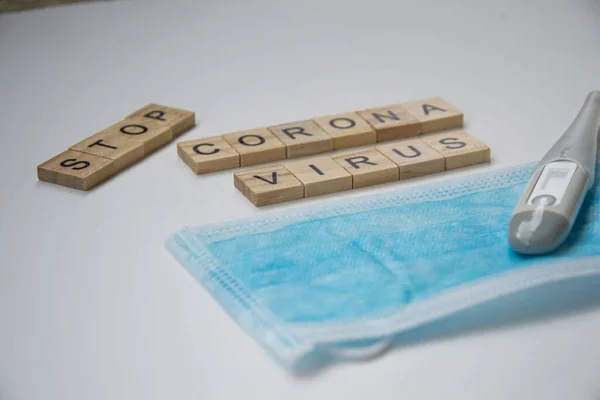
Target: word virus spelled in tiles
column 399, row 160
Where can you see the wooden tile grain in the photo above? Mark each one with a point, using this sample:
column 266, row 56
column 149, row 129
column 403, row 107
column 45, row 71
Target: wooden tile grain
column 435, row 114
column 268, row 185
column 210, row 154
column 347, row 130
column 459, row 148
column 76, row 170
column 256, row 146
column 391, row 123
column 109, row 144
column 151, row 134
column 303, row 138
column 177, row 119
column 368, row 167
column 413, row 157
column 321, row 175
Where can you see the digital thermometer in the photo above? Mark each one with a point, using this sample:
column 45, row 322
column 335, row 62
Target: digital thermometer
column 545, row 213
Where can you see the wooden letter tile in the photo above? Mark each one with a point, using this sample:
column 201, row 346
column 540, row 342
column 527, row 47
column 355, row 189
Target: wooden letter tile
column 392, row 122
column 76, row 170
column 459, row 148
column 256, row 146
column 150, row 134
column 347, row 130
column 320, row 176
column 368, row 167
column 414, row 157
column 435, row 114
column 175, row 118
column 109, row 144
column 303, row 138
column 208, row 154
column 268, row 185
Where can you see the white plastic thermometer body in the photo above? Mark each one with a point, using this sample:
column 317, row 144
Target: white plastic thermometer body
column 545, row 213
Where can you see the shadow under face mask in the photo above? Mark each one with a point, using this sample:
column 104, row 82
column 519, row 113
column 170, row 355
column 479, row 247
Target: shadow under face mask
column 363, row 270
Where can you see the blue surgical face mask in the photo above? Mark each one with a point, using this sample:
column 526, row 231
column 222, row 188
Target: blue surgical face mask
column 364, row 270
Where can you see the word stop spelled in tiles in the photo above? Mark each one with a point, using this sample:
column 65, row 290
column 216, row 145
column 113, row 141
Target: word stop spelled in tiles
column 303, row 138
column 269, row 185
column 320, row 176
column 256, row 146
column 113, row 149
column 208, row 154
column 413, row 157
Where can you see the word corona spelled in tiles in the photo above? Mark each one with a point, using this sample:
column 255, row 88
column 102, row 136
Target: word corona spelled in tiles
column 399, row 160
column 319, row 135
column 95, row 159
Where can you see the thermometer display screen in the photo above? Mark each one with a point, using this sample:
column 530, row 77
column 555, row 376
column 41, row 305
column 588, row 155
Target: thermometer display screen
column 552, row 184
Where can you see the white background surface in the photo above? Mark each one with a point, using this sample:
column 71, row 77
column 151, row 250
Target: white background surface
column 91, row 304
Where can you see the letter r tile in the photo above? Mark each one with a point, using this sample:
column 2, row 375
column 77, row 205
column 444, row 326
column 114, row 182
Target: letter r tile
column 303, row 138
column 368, row 167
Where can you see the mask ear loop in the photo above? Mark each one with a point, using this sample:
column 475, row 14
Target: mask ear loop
column 361, row 353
